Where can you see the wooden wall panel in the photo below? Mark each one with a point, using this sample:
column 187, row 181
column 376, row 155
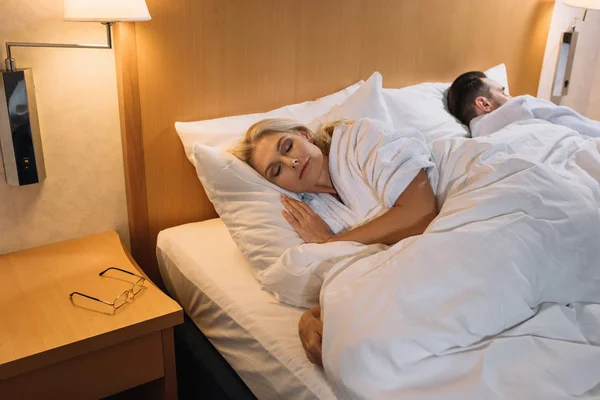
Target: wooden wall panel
column 201, row 59
column 132, row 142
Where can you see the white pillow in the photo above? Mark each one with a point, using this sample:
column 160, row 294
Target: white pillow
column 499, row 74
column 224, row 132
column 249, row 205
column 365, row 103
column 424, row 107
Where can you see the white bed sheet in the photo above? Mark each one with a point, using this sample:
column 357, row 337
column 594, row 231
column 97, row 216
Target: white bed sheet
column 207, row 274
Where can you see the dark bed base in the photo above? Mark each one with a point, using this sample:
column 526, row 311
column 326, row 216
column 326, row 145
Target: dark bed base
column 202, row 372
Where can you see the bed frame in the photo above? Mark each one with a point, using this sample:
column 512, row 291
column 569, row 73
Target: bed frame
column 202, row 372
column 201, row 59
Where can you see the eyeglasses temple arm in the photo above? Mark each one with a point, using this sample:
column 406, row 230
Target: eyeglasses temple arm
column 90, row 297
column 122, row 270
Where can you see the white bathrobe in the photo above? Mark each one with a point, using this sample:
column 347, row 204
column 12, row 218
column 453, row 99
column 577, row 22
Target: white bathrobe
column 371, row 165
column 526, row 108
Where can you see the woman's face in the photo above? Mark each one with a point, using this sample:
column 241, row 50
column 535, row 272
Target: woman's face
column 290, row 160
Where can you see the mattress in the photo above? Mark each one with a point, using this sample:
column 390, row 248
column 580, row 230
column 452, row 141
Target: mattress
column 207, row 274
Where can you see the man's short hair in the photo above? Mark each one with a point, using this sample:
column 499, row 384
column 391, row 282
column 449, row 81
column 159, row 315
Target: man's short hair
column 462, row 94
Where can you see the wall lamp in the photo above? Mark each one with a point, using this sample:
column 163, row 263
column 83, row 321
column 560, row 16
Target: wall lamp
column 566, row 52
column 20, row 140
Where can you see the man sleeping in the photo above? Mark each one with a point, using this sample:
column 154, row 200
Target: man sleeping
column 483, row 105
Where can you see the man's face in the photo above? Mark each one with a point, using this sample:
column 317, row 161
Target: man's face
column 496, row 98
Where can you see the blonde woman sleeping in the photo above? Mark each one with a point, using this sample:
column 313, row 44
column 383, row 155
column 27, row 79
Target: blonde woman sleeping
column 376, row 175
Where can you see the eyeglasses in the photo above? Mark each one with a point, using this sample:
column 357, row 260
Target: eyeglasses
column 121, row 299
column 137, row 285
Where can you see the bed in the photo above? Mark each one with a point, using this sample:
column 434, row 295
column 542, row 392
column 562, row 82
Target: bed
column 212, row 58
column 206, row 273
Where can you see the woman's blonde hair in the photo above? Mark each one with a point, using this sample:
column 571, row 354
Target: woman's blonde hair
column 245, row 148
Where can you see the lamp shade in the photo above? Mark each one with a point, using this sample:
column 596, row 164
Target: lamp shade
column 589, row 4
column 106, row 10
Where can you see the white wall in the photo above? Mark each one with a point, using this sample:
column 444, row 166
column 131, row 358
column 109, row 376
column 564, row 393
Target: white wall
column 584, row 90
column 84, row 192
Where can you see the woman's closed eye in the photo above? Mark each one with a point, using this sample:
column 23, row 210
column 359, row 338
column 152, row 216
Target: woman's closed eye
column 284, row 149
column 276, row 170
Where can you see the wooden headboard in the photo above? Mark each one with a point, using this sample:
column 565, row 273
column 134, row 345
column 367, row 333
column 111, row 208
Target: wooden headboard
column 201, row 59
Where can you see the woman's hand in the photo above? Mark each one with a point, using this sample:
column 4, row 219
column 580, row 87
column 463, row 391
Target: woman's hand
column 310, row 329
column 310, row 227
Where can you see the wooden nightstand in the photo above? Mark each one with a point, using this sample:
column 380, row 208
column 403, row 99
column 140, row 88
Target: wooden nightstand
column 53, row 348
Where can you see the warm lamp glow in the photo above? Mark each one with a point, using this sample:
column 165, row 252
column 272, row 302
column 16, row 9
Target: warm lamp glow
column 106, row 10
column 589, row 4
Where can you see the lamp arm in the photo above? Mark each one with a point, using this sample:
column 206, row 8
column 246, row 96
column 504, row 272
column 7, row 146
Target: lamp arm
column 10, row 62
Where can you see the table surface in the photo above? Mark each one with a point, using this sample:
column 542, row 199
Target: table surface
column 40, row 325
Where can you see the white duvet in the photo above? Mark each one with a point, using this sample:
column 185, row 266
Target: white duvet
column 499, row 299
